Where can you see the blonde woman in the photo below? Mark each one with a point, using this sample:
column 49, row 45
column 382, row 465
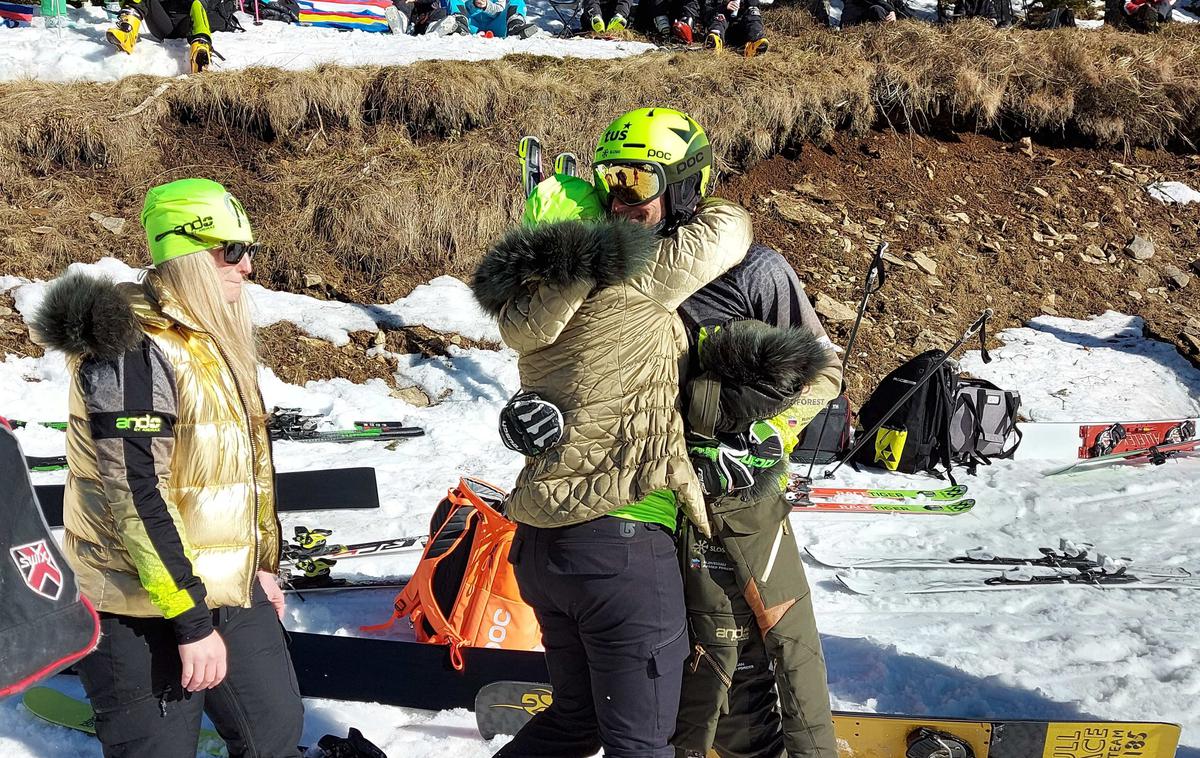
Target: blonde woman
column 169, row 509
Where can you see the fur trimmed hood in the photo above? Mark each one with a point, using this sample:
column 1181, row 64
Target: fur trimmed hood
column 762, row 369
column 602, row 252
column 86, row 316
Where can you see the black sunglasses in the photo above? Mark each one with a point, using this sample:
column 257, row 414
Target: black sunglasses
column 233, row 251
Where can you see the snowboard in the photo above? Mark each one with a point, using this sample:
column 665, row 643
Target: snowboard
column 322, row 489
column 503, row 707
column 61, row 709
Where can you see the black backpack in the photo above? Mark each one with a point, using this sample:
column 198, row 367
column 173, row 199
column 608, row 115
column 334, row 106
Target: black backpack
column 827, row 436
column 916, row 437
column 221, row 16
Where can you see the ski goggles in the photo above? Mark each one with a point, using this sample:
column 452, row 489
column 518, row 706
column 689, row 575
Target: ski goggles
column 631, row 183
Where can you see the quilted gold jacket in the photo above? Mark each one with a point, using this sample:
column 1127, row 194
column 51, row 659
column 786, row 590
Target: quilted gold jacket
column 591, row 310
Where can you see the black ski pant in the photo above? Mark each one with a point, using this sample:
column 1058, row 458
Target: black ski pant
column 609, row 598
column 172, row 19
column 737, row 28
column 142, row 711
column 751, row 621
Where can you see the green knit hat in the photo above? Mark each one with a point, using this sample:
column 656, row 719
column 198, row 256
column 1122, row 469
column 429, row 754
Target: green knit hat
column 190, row 215
column 562, row 198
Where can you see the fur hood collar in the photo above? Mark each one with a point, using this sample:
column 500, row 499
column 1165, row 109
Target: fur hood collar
column 87, row 316
column 602, row 252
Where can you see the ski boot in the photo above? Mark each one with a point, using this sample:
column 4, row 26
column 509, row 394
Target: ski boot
column 662, row 25
column 714, row 42
column 200, row 54
column 519, row 28
column 597, row 24
column 683, row 30
column 453, row 24
column 616, row 24
column 124, row 35
column 756, row 47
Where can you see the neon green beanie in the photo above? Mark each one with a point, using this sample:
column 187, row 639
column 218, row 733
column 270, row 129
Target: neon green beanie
column 562, row 198
column 190, row 215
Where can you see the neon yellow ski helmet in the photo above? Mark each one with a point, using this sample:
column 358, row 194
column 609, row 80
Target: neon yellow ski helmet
column 189, row 215
column 562, row 198
column 668, row 138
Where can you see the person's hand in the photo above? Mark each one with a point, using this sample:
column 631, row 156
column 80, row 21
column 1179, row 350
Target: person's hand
column 481, row 4
column 732, row 6
column 889, row 18
column 271, row 586
column 204, row 663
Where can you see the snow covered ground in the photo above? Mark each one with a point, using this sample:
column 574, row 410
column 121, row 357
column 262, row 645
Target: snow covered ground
column 1036, row 653
column 79, row 52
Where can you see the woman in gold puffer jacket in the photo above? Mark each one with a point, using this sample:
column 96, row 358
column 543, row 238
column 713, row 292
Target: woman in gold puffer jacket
column 169, row 510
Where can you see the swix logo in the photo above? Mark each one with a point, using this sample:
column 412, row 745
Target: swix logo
column 38, row 569
column 498, row 631
column 197, row 224
column 147, row 424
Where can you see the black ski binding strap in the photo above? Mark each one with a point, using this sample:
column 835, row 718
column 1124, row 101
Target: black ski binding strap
column 924, row 742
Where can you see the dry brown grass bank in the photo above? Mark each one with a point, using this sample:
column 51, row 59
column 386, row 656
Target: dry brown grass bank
column 376, row 178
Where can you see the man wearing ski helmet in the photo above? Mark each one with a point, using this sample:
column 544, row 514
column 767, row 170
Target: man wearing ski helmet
column 760, row 368
column 169, row 507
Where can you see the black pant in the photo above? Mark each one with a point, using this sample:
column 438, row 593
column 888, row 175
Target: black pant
column 142, row 711
column 163, row 22
column 609, row 597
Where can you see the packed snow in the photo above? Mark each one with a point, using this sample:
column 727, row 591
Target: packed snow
column 1037, row 653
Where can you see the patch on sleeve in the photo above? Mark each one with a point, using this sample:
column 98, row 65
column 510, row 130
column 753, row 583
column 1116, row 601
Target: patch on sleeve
column 134, row 423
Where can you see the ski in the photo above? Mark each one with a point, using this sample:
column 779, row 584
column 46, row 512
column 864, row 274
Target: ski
column 797, row 484
column 308, row 544
column 1014, row 579
column 300, row 584
column 292, row 425
column 1157, row 454
column 504, row 707
column 317, row 490
column 529, row 150
column 566, row 163
column 1080, row 440
column 52, row 463
column 935, row 508
column 59, row 425
column 1067, row 556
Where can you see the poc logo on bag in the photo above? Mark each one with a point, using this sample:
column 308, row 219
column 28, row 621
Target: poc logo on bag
column 498, row 631
column 38, row 569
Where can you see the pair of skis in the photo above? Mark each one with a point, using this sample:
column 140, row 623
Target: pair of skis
column 311, row 558
column 292, row 425
column 529, row 150
column 947, row 501
column 1069, row 565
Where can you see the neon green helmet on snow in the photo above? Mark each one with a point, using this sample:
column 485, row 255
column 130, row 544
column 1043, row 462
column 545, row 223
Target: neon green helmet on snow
column 562, row 198
column 669, row 155
column 190, row 215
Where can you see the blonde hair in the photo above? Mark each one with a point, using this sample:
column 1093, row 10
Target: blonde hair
column 192, row 281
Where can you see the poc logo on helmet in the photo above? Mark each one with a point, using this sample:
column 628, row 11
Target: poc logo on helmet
column 658, row 154
column 147, row 424
column 690, row 162
column 197, row 224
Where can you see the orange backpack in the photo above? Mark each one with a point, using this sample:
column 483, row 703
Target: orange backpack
column 464, row 593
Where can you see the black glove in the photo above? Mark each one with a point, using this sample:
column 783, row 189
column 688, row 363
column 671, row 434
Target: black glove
column 353, row 745
column 721, row 468
column 530, row 425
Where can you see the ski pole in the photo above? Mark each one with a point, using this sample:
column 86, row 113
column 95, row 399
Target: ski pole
column 874, row 283
column 257, row 18
column 980, row 325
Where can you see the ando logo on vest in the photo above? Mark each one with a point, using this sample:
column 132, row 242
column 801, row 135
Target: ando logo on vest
column 147, row 424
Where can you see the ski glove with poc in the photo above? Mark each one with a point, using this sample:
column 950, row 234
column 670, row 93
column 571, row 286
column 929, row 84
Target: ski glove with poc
column 729, row 464
column 530, row 425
